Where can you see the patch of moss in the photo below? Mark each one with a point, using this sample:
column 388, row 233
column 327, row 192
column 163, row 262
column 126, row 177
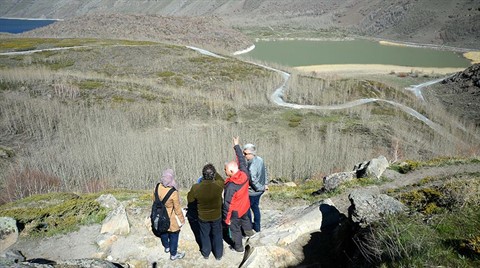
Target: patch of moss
column 54, row 213
column 407, row 166
column 165, row 74
column 293, row 117
column 121, row 99
column 61, row 64
column 205, row 60
column 148, row 96
column 90, row 84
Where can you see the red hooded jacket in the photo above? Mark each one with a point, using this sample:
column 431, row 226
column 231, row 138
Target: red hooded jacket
column 236, row 189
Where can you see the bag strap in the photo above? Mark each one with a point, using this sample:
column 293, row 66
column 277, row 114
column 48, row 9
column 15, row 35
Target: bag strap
column 167, row 196
column 157, row 199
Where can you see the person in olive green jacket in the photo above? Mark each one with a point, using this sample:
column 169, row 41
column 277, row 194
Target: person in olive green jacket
column 208, row 198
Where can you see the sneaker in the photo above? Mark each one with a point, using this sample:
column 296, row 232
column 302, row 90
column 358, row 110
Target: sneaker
column 205, row 257
column 167, row 250
column 218, row 259
column 179, row 255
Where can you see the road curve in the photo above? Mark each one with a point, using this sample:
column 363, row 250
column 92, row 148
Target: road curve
column 277, row 95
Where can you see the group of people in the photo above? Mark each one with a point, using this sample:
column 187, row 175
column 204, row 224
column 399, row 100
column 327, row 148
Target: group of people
column 218, row 210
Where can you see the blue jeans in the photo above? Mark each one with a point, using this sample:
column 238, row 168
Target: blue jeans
column 170, row 240
column 254, row 206
column 211, row 238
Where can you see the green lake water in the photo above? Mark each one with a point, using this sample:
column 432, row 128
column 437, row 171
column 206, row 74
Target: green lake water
column 301, row 53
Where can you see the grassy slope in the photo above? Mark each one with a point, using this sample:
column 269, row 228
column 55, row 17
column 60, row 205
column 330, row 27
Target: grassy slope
column 429, row 235
column 173, row 107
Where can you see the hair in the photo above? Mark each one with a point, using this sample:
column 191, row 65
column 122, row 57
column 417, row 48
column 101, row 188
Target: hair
column 208, row 172
column 251, row 148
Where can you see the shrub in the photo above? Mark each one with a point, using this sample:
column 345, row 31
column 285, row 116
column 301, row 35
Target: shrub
column 408, row 166
column 409, row 241
column 23, row 183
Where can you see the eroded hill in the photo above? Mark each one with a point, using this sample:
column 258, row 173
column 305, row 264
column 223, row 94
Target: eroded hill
column 444, row 22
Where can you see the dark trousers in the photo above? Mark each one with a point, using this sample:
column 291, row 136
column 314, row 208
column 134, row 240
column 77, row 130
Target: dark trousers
column 236, row 226
column 211, row 238
column 170, row 240
column 195, row 226
column 255, row 208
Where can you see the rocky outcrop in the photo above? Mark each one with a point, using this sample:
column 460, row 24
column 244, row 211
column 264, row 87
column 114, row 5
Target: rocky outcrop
column 462, row 81
column 372, row 169
column 116, row 222
column 8, row 232
column 332, row 181
column 369, row 169
column 369, row 205
column 460, row 94
column 270, row 256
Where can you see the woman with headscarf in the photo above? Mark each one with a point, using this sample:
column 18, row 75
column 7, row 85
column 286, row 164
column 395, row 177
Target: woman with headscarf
column 170, row 238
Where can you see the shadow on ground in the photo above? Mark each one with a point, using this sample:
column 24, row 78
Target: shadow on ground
column 333, row 245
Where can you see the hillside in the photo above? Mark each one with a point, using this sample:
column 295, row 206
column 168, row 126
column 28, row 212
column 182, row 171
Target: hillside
column 460, row 94
column 203, row 32
column 451, row 23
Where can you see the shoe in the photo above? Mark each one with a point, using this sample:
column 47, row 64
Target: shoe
column 218, row 259
column 167, row 250
column 179, row 255
column 235, row 250
column 250, row 233
column 205, row 257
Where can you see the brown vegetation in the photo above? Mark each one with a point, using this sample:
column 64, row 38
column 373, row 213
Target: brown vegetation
column 116, row 115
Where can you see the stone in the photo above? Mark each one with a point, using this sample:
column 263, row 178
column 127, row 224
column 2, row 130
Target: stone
column 369, row 205
column 8, row 232
column 86, row 263
column 299, row 221
column 108, row 201
column 332, row 181
column 270, row 256
column 116, row 222
column 371, row 169
column 105, row 241
column 290, row 184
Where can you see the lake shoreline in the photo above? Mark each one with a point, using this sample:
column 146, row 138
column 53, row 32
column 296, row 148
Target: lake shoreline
column 10, row 18
column 359, row 69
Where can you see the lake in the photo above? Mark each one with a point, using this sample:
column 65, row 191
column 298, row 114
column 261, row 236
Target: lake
column 10, row 25
column 302, row 53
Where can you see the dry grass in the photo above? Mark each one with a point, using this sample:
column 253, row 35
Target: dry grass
column 117, row 116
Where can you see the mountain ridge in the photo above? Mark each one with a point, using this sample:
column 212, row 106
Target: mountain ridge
column 436, row 22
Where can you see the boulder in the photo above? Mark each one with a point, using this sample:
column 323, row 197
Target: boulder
column 288, row 228
column 105, row 241
column 116, row 222
column 369, row 205
column 371, row 169
column 270, row 256
column 108, row 201
column 86, row 263
column 332, row 181
column 8, row 232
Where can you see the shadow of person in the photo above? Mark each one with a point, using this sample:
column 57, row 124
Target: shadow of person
column 332, row 245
